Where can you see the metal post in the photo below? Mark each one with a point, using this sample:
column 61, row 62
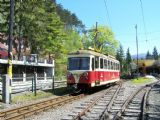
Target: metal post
column 95, row 38
column 24, row 77
column 5, row 89
column 9, row 67
column 35, row 83
column 137, row 52
column 45, row 76
column 20, row 39
column 32, row 84
column 53, row 84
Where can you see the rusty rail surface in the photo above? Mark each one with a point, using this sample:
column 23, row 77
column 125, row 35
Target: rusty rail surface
column 35, row 108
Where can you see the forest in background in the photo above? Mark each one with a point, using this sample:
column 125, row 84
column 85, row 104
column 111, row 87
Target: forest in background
column 45, row 28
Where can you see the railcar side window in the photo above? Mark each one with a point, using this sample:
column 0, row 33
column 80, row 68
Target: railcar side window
column 111, row 65
column 116, row 66
column 92, row 63
column 97, row 62
column 105, row 64
column 101, row 63
column 108, row 64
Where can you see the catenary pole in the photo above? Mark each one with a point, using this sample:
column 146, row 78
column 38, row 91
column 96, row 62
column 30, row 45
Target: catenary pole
column 95, row 38
column 137, row 50
column 10, row 39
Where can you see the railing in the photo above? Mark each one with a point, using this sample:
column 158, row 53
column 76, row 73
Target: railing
column 28, row 61
column 18, row 85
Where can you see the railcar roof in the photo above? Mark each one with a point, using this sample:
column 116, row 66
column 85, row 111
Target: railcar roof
column 90, row 52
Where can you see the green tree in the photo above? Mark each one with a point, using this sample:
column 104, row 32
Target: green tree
column 148, row 55
column 102, row 40
column 72, row 43
column 69, row 19
column 128, row 57
column 128, row 61
column 4, row 15
column 155, row 53
column 44, row 28
column 120, row 57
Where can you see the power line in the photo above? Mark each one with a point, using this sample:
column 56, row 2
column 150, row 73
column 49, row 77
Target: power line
column 139, row 33
column 143, row 20
column 105, row 3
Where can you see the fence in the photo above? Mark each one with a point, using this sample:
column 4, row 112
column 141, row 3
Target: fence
column 21, row 83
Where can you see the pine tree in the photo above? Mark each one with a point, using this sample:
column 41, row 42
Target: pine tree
column 148, row 55
column 120, row 57
column 128, row 60
column 128, row 57
column 155, row 53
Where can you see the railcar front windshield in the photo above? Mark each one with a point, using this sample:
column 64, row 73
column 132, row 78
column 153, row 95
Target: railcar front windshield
column 78, row 63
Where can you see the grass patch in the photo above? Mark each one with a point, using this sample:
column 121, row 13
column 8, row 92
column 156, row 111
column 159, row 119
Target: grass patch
column 30, row 96
column 141, row 80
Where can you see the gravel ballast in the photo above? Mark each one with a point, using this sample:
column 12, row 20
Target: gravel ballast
column 63, row 111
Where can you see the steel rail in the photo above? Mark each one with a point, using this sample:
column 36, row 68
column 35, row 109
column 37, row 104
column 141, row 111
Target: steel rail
column 30, row 109
column 108, row 108
column 144, row 103
column 113, row 97
column 126, row 103
column 78, row 117
column 13, row 110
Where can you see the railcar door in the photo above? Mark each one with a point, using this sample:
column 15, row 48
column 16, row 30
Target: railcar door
column 101, row 72
column 97, row 80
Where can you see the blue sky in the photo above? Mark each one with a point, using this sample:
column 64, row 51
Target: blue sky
column 122, row 17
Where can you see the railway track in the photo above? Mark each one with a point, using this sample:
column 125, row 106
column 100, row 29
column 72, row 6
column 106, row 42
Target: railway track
column 135, row 106
column 109, row 106
column 31, row 109
column 96, row 108
column 152, row 102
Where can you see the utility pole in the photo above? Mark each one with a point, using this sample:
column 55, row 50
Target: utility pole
column 137, row 51
column 10, row 39
column 95, row 38
column 19, row 42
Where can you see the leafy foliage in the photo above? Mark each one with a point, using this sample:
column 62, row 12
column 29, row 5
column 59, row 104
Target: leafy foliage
column 70, row 19
column 102, row 40
column 46, row 28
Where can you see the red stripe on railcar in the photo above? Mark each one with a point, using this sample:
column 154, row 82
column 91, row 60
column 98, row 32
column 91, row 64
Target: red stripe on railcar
column 102, row 75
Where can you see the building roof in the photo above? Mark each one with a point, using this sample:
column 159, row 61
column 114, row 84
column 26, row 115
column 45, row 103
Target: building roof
column 148, row 63
column 92, row 52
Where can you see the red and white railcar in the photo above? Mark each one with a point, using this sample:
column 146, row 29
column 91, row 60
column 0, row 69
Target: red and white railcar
column 87, row 68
